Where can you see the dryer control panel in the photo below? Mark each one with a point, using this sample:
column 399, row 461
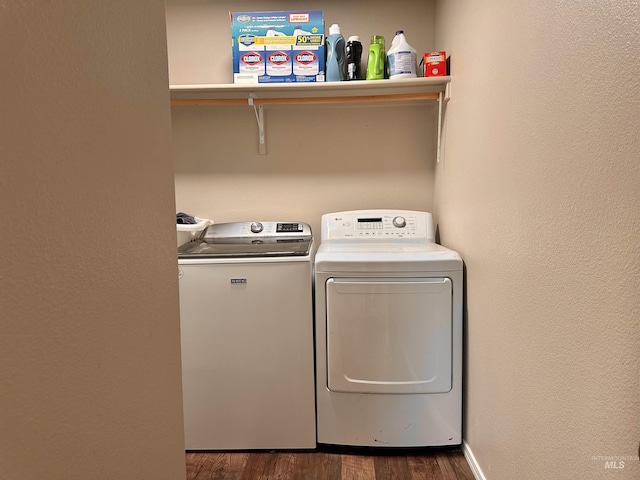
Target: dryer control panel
column 372, row 225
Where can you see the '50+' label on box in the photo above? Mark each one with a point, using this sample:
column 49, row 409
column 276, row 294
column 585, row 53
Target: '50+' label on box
column 278, row 47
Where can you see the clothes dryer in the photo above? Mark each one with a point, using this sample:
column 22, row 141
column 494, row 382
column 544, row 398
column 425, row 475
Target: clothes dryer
column 388, row 332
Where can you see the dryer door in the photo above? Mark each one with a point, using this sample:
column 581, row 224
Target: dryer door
column 389, row 335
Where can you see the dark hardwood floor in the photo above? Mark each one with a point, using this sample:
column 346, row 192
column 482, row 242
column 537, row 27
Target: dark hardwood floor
column 426, row 464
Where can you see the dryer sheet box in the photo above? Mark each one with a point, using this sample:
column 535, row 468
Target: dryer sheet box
column 278, row 47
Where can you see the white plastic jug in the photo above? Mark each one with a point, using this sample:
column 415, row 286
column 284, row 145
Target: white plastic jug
column 402, row 58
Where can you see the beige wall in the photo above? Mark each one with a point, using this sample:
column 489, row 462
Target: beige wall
column 89, row 342
column 319, row 158
column 539, row 191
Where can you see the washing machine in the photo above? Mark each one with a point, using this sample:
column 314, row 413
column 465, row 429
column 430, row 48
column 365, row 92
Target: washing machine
column 246, row 322
column 388, row 303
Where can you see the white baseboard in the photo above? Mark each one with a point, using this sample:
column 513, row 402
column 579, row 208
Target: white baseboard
column 471, row 460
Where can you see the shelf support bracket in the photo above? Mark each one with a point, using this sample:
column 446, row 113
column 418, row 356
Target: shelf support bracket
column 443, row 98
column 259, row 111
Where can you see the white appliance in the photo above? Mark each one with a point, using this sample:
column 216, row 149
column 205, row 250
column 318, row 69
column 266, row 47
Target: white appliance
column 388, row 332
column 246, row 320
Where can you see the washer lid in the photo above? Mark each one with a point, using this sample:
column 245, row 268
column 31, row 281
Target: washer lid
column 251, row 239
column 243, row 247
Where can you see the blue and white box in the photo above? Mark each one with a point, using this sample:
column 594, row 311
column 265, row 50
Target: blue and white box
column 278, row 47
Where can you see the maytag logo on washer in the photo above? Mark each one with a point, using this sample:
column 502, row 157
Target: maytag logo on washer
column 236, row 281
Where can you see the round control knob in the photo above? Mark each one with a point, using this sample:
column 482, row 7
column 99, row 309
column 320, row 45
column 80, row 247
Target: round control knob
column 256, row 227
column 399, row 222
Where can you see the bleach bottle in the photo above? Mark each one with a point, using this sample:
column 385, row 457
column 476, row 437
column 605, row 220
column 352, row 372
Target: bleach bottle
column 336, row 53
column 402, row 58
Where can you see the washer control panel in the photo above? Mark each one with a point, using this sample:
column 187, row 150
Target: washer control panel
column 377, row 225
column 258, row 229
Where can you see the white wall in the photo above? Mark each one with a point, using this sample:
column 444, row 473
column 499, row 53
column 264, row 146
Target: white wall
column 89, row 342
column 319, row 158
column 539, row 191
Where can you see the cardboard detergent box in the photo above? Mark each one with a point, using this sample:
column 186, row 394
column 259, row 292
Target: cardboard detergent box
column 435, row 64
column 278, row 47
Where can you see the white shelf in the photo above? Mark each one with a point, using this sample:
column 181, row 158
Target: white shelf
column 412, row 89
column 360, row 91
